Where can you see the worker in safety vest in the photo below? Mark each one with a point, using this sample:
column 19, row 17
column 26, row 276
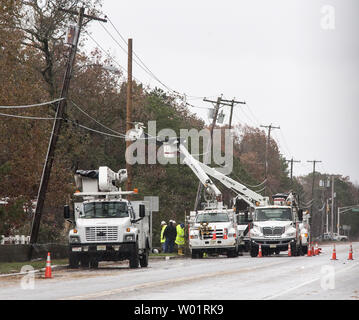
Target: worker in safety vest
column 180, row 238
column 163, row 239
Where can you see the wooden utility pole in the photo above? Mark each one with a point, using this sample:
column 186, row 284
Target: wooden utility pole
column 232, row 102
column 218, row 103
column 313, row 181
column 56, row 127
column 129, row 110
column 270, row 127
column 291, row 169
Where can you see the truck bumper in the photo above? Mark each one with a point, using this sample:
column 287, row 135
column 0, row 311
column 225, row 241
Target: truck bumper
column 273, row 243
column 214, row 246
column 103, row 251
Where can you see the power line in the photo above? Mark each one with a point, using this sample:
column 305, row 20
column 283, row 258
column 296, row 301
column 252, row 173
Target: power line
column 27, row 117
column 31, row 105
column 99, row 123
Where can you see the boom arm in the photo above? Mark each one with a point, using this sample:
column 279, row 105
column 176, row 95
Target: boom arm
column 248, row 195
column 201, row 174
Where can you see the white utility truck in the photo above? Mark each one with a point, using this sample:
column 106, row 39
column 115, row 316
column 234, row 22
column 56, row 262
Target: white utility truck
column 212, row 230
column 244, row 203
column 107, row 227
column 274, row 227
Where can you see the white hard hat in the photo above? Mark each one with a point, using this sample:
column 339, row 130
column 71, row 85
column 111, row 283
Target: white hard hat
column 163, row 223
column 174, row 222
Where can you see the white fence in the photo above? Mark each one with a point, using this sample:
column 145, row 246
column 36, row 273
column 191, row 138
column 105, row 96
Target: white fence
column 18, row 239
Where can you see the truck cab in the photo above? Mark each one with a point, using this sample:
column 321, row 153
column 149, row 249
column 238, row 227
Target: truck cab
column 106, row 226
column 213, row 231
column 276, row 227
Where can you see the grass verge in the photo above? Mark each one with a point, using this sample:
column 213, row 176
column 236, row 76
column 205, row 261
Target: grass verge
column 14, row 267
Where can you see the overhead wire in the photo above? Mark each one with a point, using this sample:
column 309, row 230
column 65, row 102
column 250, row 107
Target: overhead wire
column 99, row 123
column 32, row 105
column 27, row 117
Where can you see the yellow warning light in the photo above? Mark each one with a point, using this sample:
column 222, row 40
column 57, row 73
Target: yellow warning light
column 257, row 204
column 135, row 190
column 77, row 191
column 75, row 230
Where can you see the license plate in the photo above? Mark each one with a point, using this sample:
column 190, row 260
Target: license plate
column 76, row 249
column 213, row 242
column 272, row 246
column 101, row 248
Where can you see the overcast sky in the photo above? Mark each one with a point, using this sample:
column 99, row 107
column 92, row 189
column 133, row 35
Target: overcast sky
column 294, row 62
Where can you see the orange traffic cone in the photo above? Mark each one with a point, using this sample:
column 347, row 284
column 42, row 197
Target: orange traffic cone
column 316, row 249
column 334, row 255
column 309, row 253
column 225, row 237
column 260, row 252
column 48, row 266
column 214, row 236
column 289, row 250
column 350, row 253
column 313, row 251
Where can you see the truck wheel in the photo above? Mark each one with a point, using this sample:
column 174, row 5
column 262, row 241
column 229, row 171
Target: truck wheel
column 144, row 259
column 73, row 260
column 134, row 258
column 85, row 262
column 253, row 251
column 93, row 263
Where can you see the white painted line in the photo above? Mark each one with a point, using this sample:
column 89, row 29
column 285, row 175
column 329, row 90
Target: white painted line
column 305, row 283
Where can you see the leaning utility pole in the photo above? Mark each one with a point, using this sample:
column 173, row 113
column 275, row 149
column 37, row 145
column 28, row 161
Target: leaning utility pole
column 129, row 110
column 291, row 169
column 56, row 127
column 270, row 127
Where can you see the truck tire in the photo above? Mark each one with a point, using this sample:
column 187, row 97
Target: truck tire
column 73, row 260
column 93, row 263
column 85, row 261
column 134, row 258
column 253, row 251
column 144, row 259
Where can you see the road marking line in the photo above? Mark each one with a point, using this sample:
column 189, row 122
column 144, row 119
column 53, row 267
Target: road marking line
column 305, row 283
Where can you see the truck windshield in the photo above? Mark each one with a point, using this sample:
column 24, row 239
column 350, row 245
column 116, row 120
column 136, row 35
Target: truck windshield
column 277, row 214
column 105, row 210
column 213, row 217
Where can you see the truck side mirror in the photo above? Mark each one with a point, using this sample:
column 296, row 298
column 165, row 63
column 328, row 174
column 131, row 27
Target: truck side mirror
column 142, row 210
column 67, row 212
column 300, row 214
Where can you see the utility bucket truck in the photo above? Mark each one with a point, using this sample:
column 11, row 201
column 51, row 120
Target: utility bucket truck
column 244, row 203
column 107, row 227
column 213, row 229
column 274, row 227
